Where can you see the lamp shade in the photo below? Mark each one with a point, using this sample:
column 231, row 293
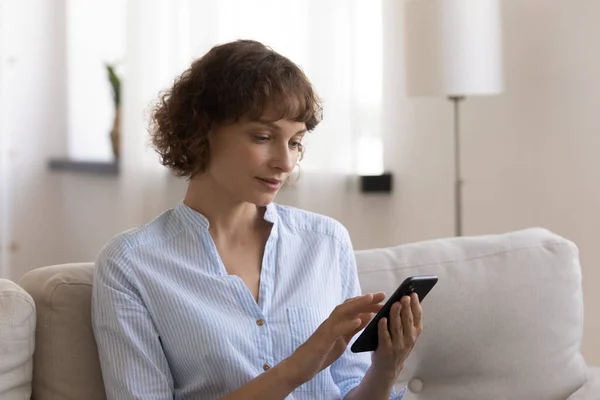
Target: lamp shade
column 453, row 47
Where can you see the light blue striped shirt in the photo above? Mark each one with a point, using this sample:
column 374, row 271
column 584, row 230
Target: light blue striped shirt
column 171, row 323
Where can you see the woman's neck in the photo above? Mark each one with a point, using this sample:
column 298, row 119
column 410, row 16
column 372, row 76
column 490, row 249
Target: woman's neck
column 228, row 217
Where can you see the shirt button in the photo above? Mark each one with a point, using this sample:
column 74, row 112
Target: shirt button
column 266, row 367
column 260, row 322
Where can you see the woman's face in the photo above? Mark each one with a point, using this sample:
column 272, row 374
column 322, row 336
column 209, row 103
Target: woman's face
column 252, row 159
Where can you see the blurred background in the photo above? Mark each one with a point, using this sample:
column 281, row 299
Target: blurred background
column 529, row 154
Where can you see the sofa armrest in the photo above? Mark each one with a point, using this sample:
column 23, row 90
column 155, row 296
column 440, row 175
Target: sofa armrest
column 17, row 341
column 591, row 389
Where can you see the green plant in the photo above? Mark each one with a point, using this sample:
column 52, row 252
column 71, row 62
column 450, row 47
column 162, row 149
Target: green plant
column 115, row 82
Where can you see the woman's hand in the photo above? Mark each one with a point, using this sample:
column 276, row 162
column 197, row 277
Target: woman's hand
column 331, row 338
column 396, row 343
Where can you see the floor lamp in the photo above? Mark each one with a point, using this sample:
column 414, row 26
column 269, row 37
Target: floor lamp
column 453, row 49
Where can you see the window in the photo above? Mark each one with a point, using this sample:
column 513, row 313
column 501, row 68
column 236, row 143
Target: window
column 338, row 43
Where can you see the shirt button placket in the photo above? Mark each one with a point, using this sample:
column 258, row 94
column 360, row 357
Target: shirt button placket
column 263, row 334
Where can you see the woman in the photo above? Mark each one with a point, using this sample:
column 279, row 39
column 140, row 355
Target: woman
column 229, row 295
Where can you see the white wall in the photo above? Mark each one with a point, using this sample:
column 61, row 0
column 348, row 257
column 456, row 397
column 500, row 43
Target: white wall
column 532, row 155
column 35, row 120
column 529, row 154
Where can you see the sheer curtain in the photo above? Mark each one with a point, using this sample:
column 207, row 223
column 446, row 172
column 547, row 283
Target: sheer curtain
column 338, row 43
column 157, row 50
column 5, row 184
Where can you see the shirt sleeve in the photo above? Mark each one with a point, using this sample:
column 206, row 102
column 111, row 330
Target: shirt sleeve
column 348, row 370
column 133, row 363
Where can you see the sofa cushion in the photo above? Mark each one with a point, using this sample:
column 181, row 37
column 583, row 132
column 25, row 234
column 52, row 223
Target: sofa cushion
column 591, row 389
column 66, row 364
column 17, row 341
column 504, row 321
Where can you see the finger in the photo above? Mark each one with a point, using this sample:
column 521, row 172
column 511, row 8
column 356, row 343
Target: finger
column 417, row 312
column 378, row 297
column 340, row 324
column 362, row 299
column 368, row 316
column 334, row 327
column 362, row 304
column 347, row 327
column 365, row 319
column 383, row 335
column 368, row 309
column 373, row 297
column 373, row 309
column 352, row 298
column 407, row 319
column 396, row 331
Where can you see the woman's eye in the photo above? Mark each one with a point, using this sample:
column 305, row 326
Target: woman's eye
column 261, row 139
column 296, row 145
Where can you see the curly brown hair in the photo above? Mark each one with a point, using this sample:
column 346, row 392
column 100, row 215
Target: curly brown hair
column 238, row 79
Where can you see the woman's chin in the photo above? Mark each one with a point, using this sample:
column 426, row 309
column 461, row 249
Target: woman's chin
column 263, row 199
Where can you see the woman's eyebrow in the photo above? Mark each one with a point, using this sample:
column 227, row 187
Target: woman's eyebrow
column 276, row 127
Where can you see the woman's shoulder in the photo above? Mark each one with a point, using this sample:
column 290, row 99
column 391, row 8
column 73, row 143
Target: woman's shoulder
column 150, row 235
column 307, row 221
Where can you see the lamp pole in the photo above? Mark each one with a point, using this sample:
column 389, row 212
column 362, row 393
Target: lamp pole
column 457, row 174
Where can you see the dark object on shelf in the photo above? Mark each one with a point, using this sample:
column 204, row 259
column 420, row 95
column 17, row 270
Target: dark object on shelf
column 86, row 167
column 376, row 183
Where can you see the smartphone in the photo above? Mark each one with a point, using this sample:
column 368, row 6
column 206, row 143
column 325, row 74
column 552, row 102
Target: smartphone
column 421, row 285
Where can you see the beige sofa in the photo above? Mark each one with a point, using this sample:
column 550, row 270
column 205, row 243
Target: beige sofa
column 504, row 322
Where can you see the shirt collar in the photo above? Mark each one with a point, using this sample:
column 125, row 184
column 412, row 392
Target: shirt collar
column 271, row 213
column 196, row 219
column 191, row 217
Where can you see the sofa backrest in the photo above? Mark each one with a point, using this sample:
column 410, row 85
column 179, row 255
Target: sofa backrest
column 504, row 321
